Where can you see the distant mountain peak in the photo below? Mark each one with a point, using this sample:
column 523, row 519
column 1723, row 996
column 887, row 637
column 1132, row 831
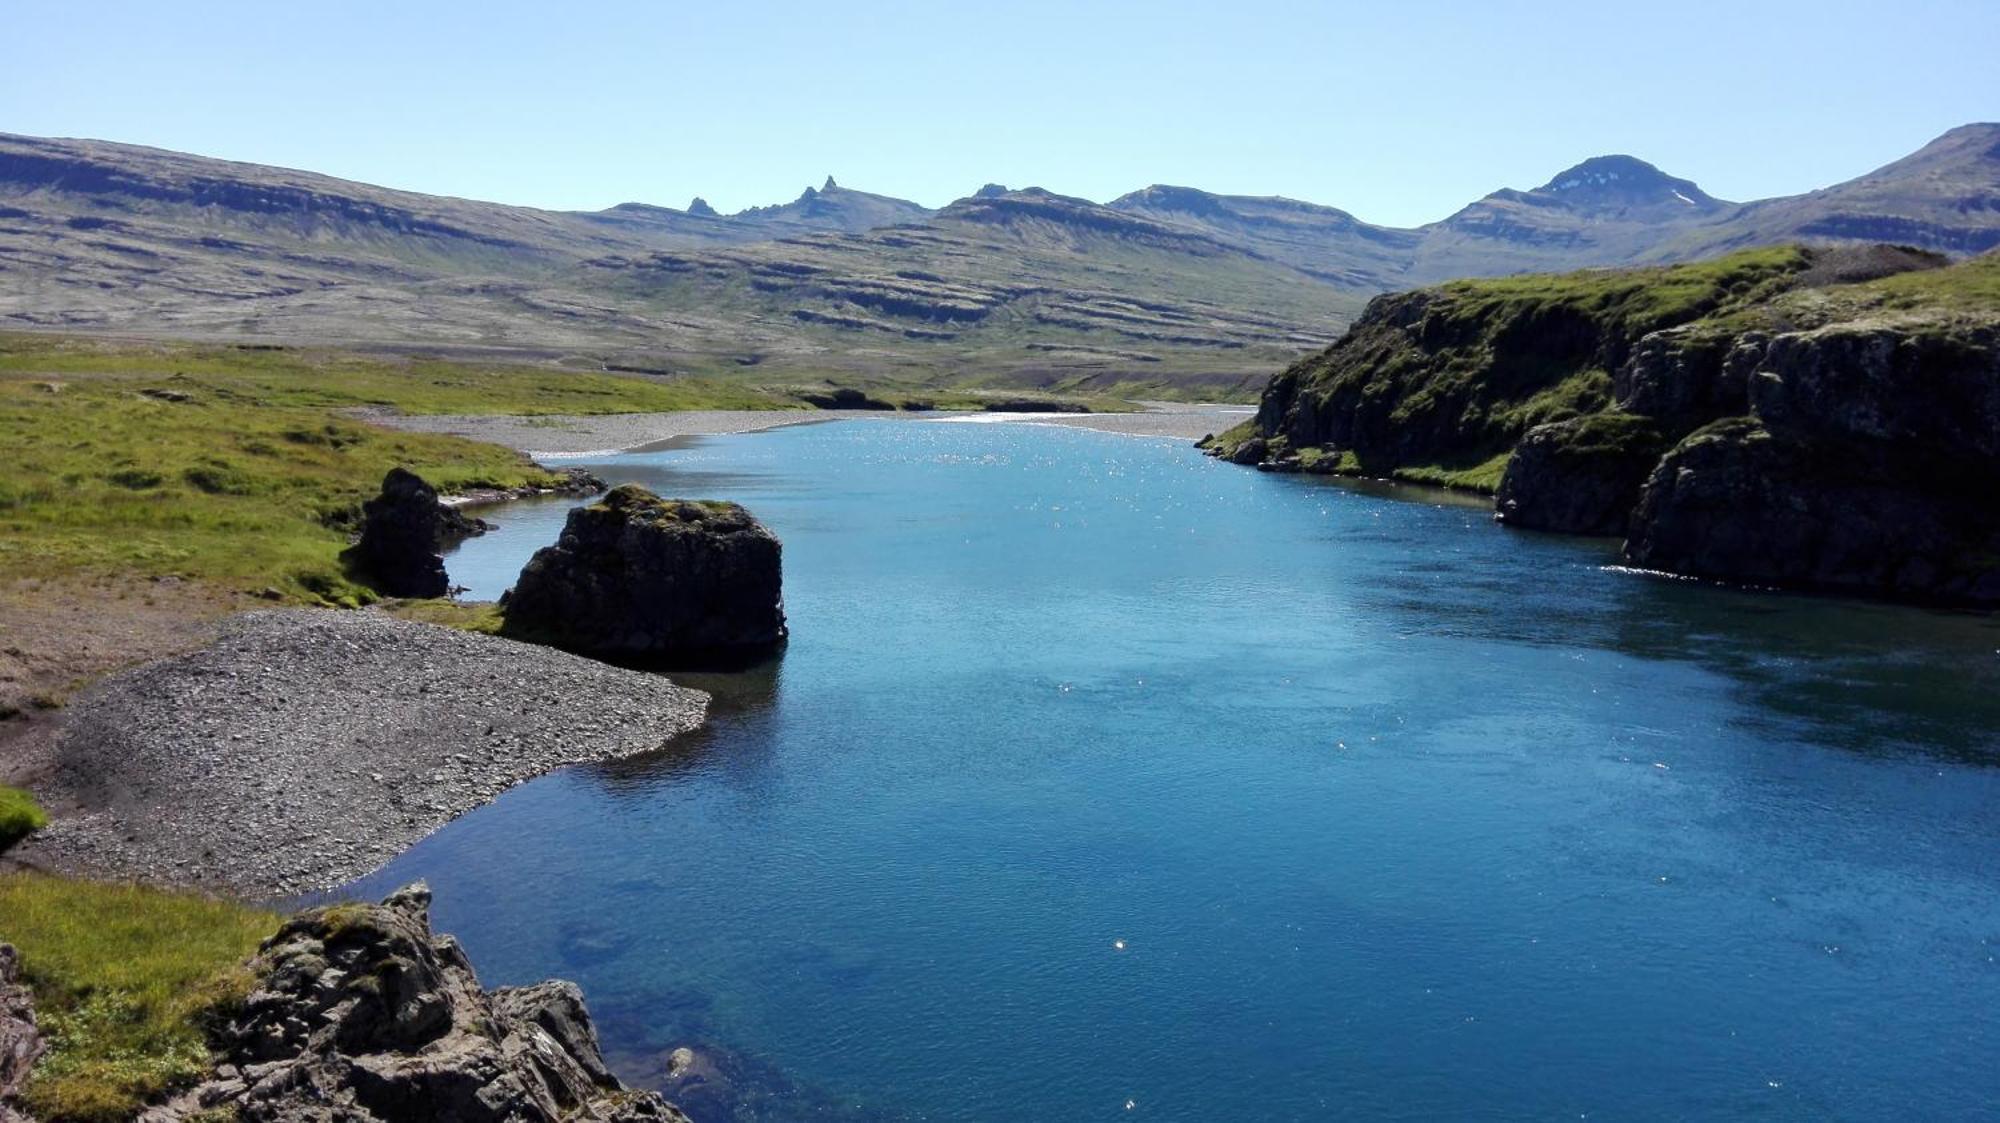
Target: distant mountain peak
column 830, row 184
column 700, row 208
column 990, row 191
column 1620, row 180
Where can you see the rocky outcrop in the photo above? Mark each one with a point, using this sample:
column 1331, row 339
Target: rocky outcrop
column 635, row 576
column 1867, row 465
column 1805, row 417
column 361, row 1015
column 1579, row 476
column 20, row 1039
column 402, row 532
column 845, row 397
column 1687, row 376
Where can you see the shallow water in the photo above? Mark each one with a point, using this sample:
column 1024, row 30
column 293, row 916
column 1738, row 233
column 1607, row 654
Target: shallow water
column 1101, row 780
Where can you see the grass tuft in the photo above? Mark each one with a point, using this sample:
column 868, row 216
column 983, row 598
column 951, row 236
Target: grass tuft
column 125, row 980
column 20, row 816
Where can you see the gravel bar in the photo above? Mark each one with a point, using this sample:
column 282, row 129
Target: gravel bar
column 306, row 747
column 557, row 436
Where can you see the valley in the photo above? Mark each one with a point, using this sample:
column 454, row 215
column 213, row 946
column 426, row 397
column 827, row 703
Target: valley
column 1166, row 292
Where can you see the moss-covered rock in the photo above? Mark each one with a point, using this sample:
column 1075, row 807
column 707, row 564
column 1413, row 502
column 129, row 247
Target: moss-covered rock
column 638, row 577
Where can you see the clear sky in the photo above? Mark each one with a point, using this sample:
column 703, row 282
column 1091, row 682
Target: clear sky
column 1397, row 111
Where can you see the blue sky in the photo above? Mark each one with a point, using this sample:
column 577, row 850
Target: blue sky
column 1399, row 112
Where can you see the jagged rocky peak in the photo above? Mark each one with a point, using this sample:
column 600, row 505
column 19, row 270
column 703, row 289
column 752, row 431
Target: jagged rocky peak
column 830, row 185
column 990, row 191
column 700, row 208
column 1623, row 181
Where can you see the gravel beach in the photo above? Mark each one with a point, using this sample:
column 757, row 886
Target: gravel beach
column 557, row 436
column 307, row 747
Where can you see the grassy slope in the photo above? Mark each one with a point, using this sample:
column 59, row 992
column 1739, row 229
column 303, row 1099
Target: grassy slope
column 124, row 977
column 238, row 466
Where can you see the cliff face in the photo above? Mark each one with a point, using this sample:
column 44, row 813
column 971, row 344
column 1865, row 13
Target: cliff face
column 1820, row 419
column 1867, row 463
column 1435, row 384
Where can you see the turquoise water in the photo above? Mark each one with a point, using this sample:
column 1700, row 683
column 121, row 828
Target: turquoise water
column 1396, row 814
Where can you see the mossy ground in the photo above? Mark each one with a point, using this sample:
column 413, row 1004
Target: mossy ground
column 20, row 816
column 241, row 467
column 1482, row 477
column 125, row 977
column 472, row 616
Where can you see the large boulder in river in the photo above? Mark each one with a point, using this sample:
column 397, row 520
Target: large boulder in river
column 360, row 1013
column 403, row 531
column 635, row 576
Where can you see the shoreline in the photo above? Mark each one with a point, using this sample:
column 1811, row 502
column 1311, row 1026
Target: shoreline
column 578, row 436
column 219, row 769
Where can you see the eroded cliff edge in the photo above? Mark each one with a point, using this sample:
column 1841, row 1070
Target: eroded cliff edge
column 1825, row 419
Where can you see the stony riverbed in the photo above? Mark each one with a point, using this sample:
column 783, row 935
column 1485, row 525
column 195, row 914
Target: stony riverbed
column 306, row 747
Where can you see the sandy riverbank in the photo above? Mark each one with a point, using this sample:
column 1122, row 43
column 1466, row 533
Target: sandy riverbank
column 569, row 435
column 308, row 746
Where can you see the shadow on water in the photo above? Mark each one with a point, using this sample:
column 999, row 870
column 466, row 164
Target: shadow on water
column 739, row 701
column 1867, row 677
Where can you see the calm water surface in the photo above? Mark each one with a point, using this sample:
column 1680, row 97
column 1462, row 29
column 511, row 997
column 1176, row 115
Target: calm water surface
column 1103, row 781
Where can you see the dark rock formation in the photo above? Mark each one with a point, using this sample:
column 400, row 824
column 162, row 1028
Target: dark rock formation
column 20, row 1040
column 1579, row 476
column 1868, row 465
column 845, row 397
column 1033, row 405
column 1687, row 377
column 361, row 1014
column 1837, row 413
column 402, row 531
column 636, row 576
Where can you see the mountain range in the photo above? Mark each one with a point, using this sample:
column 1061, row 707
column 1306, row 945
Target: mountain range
column 1168, row 289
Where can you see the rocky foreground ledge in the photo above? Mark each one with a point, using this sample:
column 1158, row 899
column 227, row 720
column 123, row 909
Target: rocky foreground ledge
column 306, row 747
column 361, row 1014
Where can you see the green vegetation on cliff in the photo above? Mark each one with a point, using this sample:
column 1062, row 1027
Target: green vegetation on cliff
column 125, row 978
column 1437, row 385
column 1810, row 417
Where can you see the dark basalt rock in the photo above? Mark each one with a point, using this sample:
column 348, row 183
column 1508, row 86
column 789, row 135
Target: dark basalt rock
column 1251, row 451
column 1868, row 465
column 1033, row 405
column 845, row 397
column 20, row 1039
column 361, row 1014
column 1734, row 502
column 402, row 532
column 1580, row 476
column 638, row 577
